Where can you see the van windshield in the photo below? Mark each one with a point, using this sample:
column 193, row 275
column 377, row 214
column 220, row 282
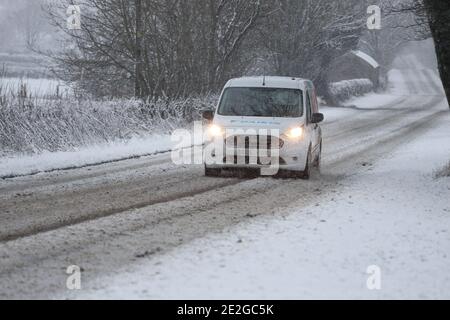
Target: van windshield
column 262, row 102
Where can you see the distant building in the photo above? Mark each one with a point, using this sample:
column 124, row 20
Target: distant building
column 355, row 65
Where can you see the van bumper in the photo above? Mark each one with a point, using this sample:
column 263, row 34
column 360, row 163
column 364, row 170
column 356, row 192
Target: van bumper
column 284, row 162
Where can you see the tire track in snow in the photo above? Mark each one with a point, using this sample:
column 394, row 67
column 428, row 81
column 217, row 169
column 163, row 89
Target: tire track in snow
column 5, row 237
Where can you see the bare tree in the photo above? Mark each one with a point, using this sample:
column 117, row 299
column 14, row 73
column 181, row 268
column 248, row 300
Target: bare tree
column 438, row 13
column 303, row 37
column 139, row 85
column 398, row 28
column 155, row 47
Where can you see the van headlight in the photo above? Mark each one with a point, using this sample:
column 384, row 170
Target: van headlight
column 295, row 133
column 215, row 131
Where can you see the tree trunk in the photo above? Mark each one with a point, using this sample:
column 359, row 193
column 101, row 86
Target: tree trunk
column 138, row 83
column 438, row 12
column 212, row 46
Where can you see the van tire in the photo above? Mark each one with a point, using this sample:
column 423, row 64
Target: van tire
column 306, row 174
column 212, row 172
column 318, row 161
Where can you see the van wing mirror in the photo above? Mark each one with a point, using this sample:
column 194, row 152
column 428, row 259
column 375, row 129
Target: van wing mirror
column 317, row 118
column 208, row 115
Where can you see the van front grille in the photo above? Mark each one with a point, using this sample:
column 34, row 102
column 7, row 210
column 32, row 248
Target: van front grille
column 247, row 160
column 256, row 142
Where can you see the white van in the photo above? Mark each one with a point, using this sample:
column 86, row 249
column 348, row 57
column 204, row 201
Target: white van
column 266, row 117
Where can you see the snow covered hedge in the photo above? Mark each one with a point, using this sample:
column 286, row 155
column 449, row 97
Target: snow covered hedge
column 347, row 89
column 35, row 125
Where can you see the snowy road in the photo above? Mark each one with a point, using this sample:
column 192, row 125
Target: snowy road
column 110, row 217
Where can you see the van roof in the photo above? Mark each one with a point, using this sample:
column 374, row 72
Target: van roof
column 269, row 82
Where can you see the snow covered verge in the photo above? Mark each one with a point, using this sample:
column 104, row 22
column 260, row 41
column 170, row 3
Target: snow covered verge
column 344, row 90
column 44, row 134
column 36, row 125
column 402, row 82
column 393, row 216
column 85, row 156
column 395, row 93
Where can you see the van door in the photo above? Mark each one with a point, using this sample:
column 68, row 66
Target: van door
column 312, row 129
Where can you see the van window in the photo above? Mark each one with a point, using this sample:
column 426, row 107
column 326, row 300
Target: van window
column 308, row 107
column 262, row 102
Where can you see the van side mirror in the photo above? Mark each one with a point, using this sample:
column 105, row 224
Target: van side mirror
column 208, row 115
column 317, row 118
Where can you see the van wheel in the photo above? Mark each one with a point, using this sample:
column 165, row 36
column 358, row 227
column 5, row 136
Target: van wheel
column 307, row 173
column 318, row 161
column 210, row 172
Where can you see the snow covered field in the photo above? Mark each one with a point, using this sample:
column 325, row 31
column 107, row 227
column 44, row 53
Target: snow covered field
column 35, row 87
